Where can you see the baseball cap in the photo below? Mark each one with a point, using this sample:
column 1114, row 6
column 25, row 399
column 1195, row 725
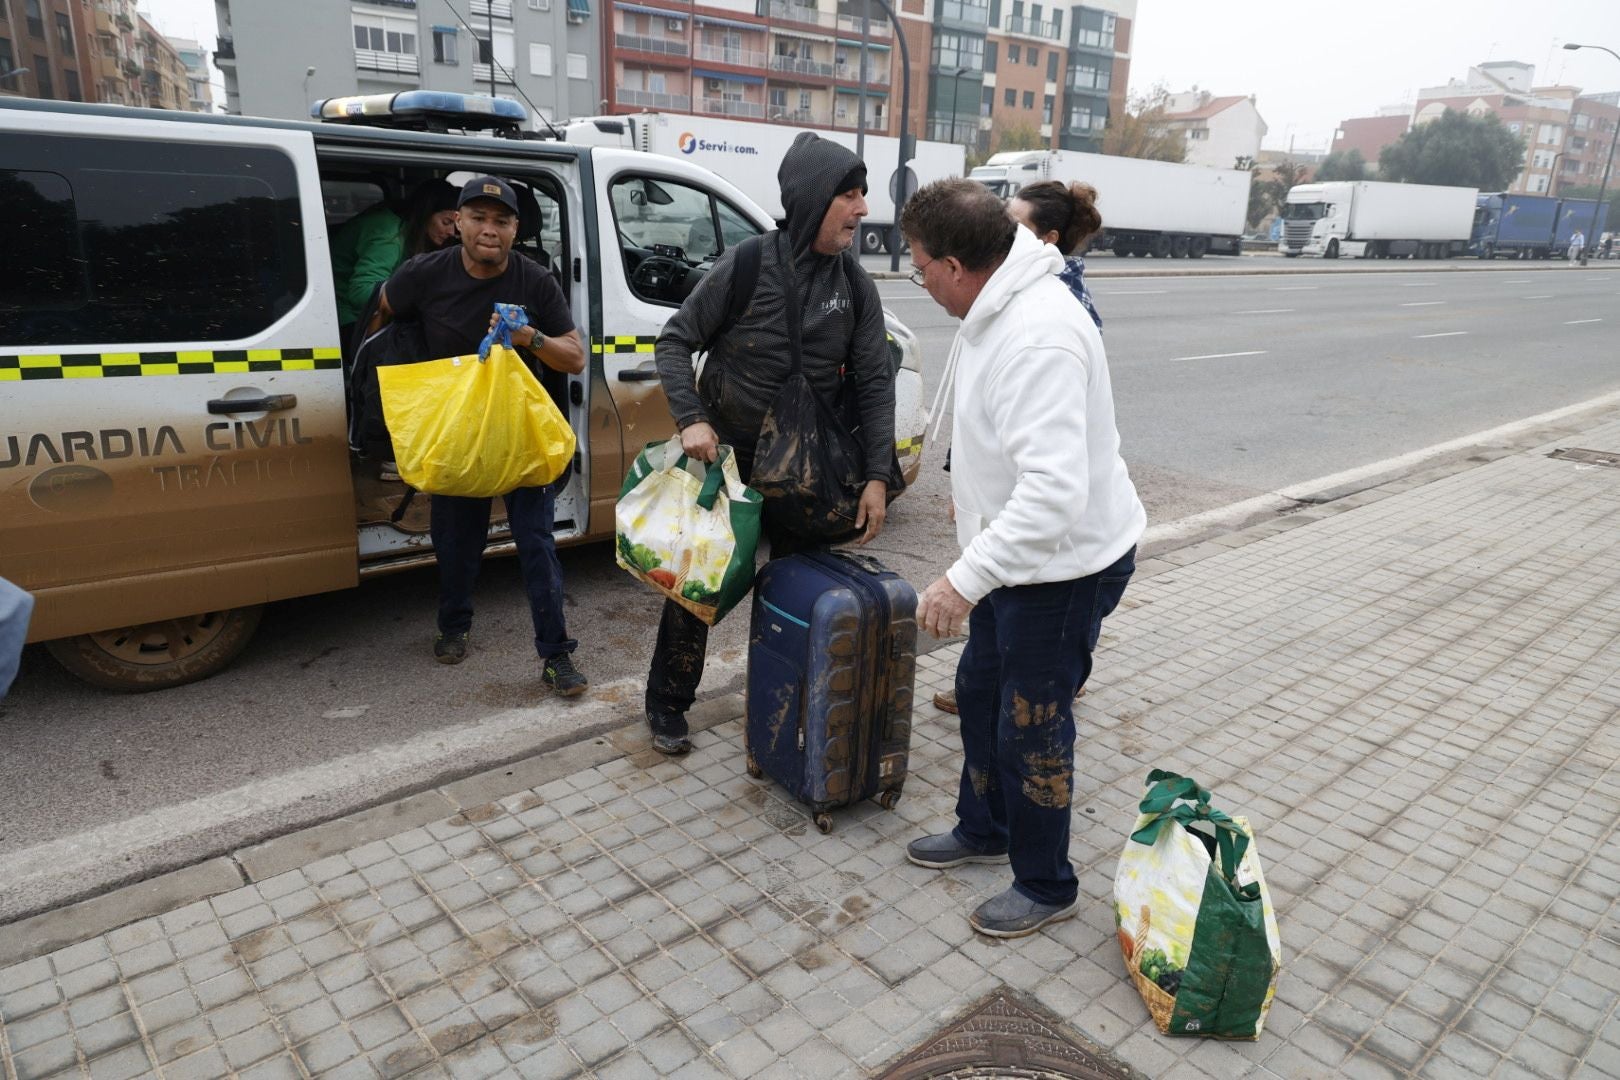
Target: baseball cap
column 488, row 187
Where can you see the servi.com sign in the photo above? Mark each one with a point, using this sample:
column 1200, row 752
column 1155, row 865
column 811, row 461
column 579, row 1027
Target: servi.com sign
column 690, row 143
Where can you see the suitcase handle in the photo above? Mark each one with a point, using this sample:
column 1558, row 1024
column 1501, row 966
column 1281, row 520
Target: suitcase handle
column 864, row 562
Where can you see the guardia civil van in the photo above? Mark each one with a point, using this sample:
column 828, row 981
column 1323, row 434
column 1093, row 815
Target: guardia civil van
column 173, row 442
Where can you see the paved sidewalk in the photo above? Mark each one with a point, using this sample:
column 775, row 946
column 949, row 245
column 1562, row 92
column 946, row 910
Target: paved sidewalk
column 1412, row 693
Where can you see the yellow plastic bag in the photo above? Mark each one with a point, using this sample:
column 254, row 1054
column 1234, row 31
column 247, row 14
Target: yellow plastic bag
column 462, row 426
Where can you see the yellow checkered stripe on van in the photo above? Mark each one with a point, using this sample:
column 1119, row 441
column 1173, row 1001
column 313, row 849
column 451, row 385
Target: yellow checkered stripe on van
column 625, row 343
column 913, row 445
column 23, row 367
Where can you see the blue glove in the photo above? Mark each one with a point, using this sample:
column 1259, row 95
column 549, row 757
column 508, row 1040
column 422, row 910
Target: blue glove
column 512, row 316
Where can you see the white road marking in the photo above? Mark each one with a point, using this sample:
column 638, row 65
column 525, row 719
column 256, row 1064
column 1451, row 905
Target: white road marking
column 1294, row 288
column 1265, row 311
column 1543, row 296
column 1219, row 355
column 1448, row 333
column 1417, row 284
column 1422, row 303
column 1577, row 322
column 1132, row 292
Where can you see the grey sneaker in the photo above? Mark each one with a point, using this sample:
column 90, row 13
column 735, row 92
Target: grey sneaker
column 1012, row 914
column 943, row 851
column 450, row 648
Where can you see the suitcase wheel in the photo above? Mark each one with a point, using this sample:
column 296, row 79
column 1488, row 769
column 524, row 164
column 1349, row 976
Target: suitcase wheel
column 823, row 823
column 753, row 768
column 889, row 799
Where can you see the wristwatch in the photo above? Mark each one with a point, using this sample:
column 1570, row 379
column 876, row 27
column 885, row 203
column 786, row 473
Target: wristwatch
column 539, row 338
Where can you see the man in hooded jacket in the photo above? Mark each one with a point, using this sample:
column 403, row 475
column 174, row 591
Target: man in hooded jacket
column 823, row 195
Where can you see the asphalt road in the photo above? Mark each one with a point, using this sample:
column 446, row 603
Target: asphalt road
column 1227, row 385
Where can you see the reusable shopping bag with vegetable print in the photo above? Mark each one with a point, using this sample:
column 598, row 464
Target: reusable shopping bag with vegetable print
column 475, row 425
column 687, row 529
column 1196, row 925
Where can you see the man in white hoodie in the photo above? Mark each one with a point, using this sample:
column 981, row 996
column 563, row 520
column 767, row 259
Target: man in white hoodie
column 1048, row 522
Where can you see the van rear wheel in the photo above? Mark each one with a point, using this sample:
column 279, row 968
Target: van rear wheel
column 158, row 655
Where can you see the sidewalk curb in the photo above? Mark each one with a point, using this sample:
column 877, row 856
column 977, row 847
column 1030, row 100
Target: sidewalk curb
column 43, row 932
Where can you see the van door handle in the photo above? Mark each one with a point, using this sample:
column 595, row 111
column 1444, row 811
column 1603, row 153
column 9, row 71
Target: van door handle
column 268, row 403
column 638, row 375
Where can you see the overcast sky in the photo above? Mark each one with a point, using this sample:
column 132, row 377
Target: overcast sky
column 1309, row 65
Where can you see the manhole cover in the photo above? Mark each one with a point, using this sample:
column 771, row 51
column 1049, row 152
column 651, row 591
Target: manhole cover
column 1587, row 457
column 1006, row 1036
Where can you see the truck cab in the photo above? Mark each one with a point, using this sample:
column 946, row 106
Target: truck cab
column 1314, row 215
column 1009, row 172
column 174, row 449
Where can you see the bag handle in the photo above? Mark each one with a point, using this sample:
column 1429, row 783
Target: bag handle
column 1167, row 800
column 511, row 317
column 795, row 319
column 714, row 476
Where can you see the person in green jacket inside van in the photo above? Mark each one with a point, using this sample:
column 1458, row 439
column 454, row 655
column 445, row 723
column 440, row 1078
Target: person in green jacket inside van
column 371, row 245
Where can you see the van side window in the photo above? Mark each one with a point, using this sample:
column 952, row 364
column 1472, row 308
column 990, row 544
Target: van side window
column 666, row 228
column 125, row 242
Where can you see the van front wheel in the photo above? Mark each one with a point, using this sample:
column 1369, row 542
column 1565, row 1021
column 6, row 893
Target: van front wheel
column 158, row 655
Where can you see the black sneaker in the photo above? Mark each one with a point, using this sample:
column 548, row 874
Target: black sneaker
column 563, row 677
column 669, row 733
column 450, row 648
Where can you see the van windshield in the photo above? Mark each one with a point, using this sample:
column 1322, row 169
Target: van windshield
column 1309, row 211
column 999, row 187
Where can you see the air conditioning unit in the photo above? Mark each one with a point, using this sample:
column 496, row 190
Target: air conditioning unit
column 676, row 24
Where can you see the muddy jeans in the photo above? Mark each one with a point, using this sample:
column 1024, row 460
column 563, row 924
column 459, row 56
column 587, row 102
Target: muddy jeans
column 1028, row 653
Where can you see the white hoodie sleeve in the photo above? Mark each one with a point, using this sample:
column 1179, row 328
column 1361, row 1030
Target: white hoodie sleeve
column 1036, row 401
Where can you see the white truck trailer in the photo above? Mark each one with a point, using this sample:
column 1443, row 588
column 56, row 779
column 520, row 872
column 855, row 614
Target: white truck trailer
column 748, row 152
column 1156, row 208
column 1377, row 220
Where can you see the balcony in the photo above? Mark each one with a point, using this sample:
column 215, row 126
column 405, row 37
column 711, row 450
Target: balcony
column 731, row 107
column 109, row 67
column 132, row 67
column 792, row 65
column 721, row 54
column 123, row 20
column 648, row 99
column 964, row 14
column 500, row 9
column 875, row 75
column 104, row 22
column 226, row 49
column 877, row 28
column 481, row 73
column 1018, row 24
column 657, row 45
column 393, row 63
column 800, row 116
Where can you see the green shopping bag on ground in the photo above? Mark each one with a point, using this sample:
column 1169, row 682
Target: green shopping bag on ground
column 687, row 529
column 1195, row 921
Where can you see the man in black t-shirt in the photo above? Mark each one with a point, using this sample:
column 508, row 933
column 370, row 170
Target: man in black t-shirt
column 453, row 293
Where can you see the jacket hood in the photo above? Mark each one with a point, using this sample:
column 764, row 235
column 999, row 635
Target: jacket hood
column 811, row 173
column 1028, row 260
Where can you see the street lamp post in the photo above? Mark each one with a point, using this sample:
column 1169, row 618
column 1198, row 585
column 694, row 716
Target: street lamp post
column 956, row 85
column 1614, row 137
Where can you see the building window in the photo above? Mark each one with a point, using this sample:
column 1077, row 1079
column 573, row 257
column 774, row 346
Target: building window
column 64, row 35
column 1034, row 57
column 444, row 46
column 804, row 100
column 1052, row 66
column 1094, row 28
column 988, row 101
column 42, row 77
column 36, row 20
column 383, row 43
column 990, row 56
column 540, row 60
column 72, row 80
column 1029, row 99
column 956, row 50
column 7, row 60
column 1046, row 109
column 1057, row 23
column 1015, row 53
column 576, row 66
column 778, row 98
column 1010, row 98
column 539, row 5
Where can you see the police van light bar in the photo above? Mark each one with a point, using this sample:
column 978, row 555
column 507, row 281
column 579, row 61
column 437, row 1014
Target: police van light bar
column 434, row 110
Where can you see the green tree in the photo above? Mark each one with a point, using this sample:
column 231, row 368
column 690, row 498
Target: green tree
column 1144, row 131
column 1457, row 149
column 1588, row 191
column 1343, row 165
column 1266, row 196
column 1019, row 137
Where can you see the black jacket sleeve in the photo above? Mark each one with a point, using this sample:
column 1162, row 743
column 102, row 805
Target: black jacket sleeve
column 874, row 376
column 686, row 333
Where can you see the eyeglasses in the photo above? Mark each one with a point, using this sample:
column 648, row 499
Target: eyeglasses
column 918, row 273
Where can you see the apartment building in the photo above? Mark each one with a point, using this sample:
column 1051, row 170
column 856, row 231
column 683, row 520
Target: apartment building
column 805, row 64
column 277, row 58
column 1593, row 121
column 42, row 49
column 200, row 86
column 1219, row 130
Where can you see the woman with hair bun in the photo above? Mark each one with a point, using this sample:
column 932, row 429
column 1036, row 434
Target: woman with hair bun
column 1066, row 217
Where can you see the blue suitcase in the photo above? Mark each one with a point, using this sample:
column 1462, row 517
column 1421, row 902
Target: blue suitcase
column 832, row 659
